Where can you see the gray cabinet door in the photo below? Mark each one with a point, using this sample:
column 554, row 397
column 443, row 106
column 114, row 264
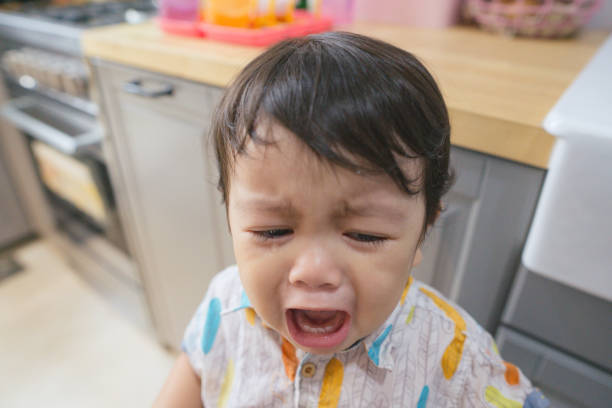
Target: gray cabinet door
column 161, row 169
column 473, row 251
column 560, row 316
column 567, row 380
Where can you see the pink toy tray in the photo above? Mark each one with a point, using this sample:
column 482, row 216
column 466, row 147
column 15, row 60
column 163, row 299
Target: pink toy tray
column 179, row 27
column 303, row 24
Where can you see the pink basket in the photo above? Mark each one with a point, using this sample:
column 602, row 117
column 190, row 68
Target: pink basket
column 303, row 24
column 418, row 13
column 533, row 18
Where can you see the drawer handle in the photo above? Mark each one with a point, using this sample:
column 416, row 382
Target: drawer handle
column 136, row 87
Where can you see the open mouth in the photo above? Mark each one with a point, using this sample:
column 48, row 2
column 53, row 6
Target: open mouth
column 321, row 329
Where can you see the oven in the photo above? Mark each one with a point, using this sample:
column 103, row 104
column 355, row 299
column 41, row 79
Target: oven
column 50, row 128
column 65, row 148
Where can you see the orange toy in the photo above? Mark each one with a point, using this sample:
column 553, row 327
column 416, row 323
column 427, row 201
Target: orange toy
column 248, row 13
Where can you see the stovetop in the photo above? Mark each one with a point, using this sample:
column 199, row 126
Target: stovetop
column 57, row 25
column 82, row 14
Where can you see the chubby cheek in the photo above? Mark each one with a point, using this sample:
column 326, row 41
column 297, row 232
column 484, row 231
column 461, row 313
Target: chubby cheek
column 379, row 289
column 262, row 280
column 376, row 301
column 261, row 292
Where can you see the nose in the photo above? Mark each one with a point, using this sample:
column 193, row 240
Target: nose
column 316, row 268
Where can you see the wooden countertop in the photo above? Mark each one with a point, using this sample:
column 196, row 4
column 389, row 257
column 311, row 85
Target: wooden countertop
column 498, row 89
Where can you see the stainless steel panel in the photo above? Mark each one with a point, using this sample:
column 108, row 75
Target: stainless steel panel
column 13, row 222
column 50, row 36
column 62, row 128
column 111, row 273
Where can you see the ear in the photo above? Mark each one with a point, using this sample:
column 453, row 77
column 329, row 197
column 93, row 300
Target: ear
column 418, row 257
column 436, row 216
column 438, row 211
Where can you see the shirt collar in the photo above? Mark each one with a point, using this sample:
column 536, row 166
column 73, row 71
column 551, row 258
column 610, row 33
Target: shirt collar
column 237, row 304
column 379, row 345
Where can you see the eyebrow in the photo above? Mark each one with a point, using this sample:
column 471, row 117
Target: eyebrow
column 345, row 210
column 263, row 205
column 370, row 210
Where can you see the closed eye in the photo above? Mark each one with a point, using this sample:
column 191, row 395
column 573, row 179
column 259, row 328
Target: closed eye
column 366, row 238
column 272, row 233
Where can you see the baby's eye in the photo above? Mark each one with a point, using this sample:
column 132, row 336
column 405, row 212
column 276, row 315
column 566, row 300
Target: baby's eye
column 272, row 233
column 367, row 238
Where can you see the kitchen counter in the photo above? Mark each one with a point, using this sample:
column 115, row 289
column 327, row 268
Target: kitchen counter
column 498, row 89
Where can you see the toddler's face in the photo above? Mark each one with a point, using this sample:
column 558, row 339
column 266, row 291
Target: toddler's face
column 323, row 253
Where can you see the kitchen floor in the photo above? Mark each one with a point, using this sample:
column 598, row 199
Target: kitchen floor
column 62, row 345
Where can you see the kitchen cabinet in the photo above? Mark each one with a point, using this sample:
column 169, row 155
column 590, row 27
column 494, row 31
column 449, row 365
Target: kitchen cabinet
column 163, row 173
column 473, row 251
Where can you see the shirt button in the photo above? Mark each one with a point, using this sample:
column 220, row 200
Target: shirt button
column 308, row 370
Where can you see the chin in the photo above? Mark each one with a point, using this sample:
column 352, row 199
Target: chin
column 328, row 351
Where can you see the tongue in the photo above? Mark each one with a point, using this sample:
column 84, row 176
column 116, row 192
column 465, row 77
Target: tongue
column 319, row 317
column 319, row 322
column 321, row 329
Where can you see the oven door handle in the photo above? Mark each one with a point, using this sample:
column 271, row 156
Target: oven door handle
column 137, row 87
column 65, row 143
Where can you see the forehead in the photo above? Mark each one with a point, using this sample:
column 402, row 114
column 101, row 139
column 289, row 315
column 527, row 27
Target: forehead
column 270, row 135
column 279, row 164
column 276, row 149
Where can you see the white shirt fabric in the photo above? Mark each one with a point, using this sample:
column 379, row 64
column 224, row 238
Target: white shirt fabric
column 428, row 353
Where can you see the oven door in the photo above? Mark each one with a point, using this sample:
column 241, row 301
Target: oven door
column 66, row 148
column 63, row 145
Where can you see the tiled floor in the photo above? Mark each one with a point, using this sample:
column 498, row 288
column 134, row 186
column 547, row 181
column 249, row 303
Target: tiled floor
column 61, row 345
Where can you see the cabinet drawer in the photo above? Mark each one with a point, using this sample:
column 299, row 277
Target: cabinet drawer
column 572, row 381
column 186, row 98
column 562, row 316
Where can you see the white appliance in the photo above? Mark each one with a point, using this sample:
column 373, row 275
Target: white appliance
column 571, row 236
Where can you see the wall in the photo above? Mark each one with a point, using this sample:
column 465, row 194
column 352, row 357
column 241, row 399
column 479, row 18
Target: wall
column 603, row 18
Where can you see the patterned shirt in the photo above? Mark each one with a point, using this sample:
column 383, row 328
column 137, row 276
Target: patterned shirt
column 428, row 353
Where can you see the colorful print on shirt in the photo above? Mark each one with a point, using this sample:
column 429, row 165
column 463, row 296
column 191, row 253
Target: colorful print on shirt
column 428, row 353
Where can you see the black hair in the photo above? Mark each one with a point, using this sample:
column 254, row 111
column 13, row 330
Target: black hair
column 355, row 101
